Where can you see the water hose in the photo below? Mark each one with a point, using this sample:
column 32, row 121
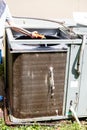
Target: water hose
column 81, row 53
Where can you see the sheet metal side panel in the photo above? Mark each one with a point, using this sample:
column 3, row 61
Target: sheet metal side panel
column 82, row 106
column 73, row 80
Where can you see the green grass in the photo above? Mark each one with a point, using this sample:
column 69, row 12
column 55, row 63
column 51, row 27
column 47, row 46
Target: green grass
column 73, row 126
column 61, row 126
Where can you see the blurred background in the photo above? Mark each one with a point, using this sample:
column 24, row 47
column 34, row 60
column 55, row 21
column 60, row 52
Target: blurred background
column 53, row 9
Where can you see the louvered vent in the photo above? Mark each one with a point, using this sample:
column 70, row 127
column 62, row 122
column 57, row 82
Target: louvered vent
column 36, row 83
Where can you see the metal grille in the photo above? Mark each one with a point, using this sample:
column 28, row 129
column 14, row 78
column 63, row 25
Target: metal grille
column 31, row 94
